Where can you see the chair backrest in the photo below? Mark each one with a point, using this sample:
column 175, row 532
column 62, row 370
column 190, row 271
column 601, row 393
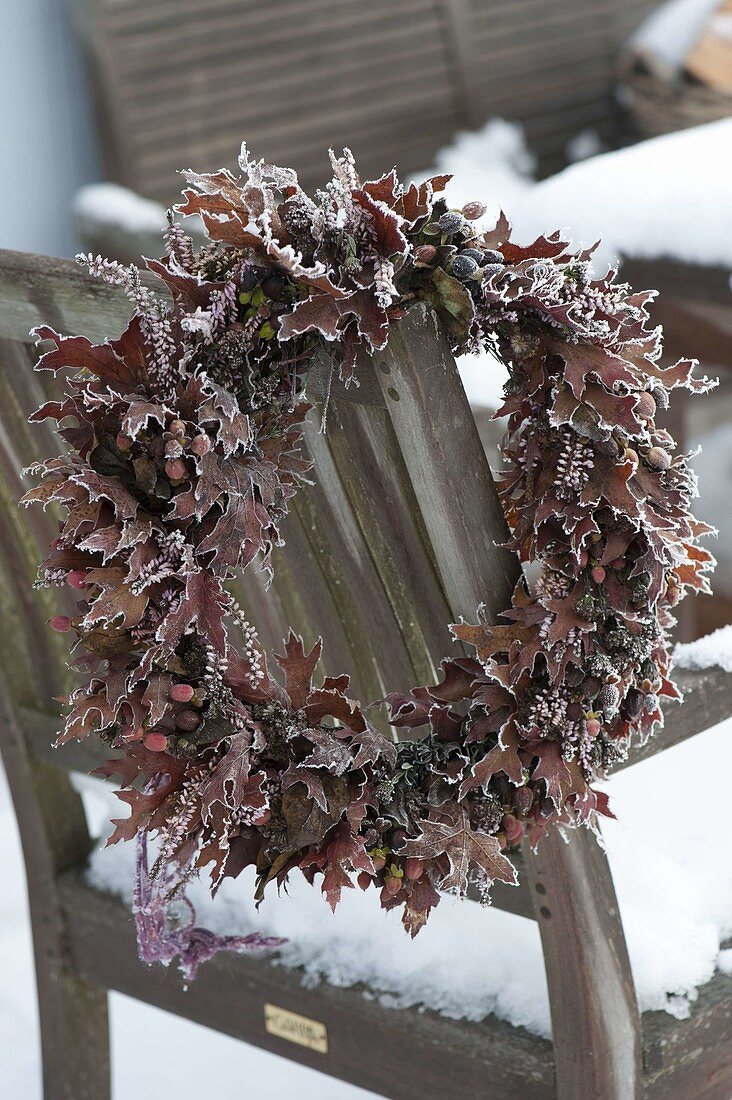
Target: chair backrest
column 180, row 81
column 396, row 538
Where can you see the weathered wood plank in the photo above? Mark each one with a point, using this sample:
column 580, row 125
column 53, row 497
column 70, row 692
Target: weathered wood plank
column 595, row 1019
column 403, row 1054
column 53, row 832
column 595, row 1022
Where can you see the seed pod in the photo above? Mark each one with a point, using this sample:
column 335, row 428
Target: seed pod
column 76, row 578
column 177, row 427
column 364, row 880
column 60, row 623
column 188, row 720
column 523, row 800
column 124, row 443
column 660, row 394
column 598, row 574
column 658, row 458
column 473, row 210
column 392, row 885
column 512, row 828
column 608, row 700
column 633, row 704
column 425, row 253
column 173, row 448
column 646, row 406
column 463, row 267
column 451, row 223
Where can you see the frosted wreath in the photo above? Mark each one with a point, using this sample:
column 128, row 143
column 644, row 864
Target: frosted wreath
column 184, row 450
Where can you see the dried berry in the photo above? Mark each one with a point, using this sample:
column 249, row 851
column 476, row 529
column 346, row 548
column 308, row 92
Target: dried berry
column 462, row 266
column 658, row 458
column 473, row 210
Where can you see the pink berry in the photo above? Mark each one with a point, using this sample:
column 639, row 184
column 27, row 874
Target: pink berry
column 659, row 458
column 473, row 210
column 124, row 443
column 175, row 469
column 646, row 406
column 598, row 574
column 61, row 623
column 76, row 578
column 156, row 742
column 181, row 693
column 593, row 726
column 200, row 444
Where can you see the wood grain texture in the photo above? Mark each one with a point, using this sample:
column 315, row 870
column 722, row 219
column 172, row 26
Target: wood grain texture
column 595, row 1020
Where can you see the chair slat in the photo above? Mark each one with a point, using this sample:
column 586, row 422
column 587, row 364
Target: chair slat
column 408, row 1052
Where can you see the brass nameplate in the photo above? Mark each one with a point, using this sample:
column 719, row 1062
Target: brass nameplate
column 297, row 1029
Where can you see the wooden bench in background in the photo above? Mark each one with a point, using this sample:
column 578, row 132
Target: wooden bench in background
column 407, row 544
column 178, row 82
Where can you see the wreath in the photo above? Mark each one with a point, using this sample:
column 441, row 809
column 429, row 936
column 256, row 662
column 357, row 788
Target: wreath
column 183, row 443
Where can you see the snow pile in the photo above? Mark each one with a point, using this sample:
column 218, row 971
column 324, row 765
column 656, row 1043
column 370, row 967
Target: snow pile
column 713, row 650
column 674, row 884
column 670, row 31
column 492, row 164
column 667, row 197
column 107, row 205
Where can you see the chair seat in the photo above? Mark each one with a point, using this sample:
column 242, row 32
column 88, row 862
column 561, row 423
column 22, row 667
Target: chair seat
column 426, row 1054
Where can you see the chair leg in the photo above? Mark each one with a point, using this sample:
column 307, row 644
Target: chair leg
column 595, row 1019
column 54, row 835
column 74, row 1034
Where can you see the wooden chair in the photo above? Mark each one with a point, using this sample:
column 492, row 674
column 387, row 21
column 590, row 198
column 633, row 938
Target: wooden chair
column 178, row 82
column 396, row 539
